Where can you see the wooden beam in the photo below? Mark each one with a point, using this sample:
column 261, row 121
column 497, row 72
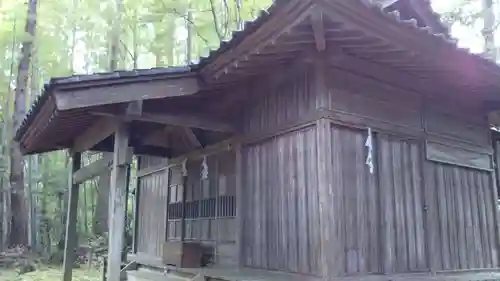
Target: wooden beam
column 92, row 170
column 318, row 27
column 181, row 120
column 119, row 93
column 99, row 131
column 70, row 238
column 117, row 205
column 384, row 3
column 191, row 137
column 96, row 168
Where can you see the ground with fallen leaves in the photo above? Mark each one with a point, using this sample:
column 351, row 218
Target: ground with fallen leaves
column 49, row 274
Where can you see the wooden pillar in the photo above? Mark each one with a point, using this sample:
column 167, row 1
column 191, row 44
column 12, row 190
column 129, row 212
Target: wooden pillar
column 494, row 185
column 137, row 195
column 184, row 207
column 239, row 204
column 70, row 238
column 329, row 194
column 118, row 189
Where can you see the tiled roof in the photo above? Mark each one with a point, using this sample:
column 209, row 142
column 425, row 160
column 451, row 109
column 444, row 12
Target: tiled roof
column 237, row 37
column 96, row 77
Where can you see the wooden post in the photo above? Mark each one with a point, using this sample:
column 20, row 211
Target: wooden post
column 70, row 238
column 239, row 204
column 117, row 197
column 137, row 195
column 494, row 185
column 184, row 209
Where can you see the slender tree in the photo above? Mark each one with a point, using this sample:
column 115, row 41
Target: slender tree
column 488, row 29
column 19, row 224
column 6, row 191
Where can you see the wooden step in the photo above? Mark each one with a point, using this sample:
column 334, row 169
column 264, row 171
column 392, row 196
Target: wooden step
column 153, row 275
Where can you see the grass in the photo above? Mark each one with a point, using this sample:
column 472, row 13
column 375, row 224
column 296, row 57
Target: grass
column 50, row 273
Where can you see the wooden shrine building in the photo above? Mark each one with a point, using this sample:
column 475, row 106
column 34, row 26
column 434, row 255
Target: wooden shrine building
column 328, row 140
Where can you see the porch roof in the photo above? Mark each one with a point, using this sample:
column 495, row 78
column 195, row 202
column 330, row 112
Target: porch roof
column 384, row 42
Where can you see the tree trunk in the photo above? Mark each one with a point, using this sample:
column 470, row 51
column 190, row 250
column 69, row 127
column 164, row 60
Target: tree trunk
column 239, row 20
column 19, row 223
column 488, row 30
column 32, row 161
column 4, row 184
column 115, row 37
column 189, row 40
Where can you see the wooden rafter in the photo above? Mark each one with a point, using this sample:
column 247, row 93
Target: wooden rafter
column 361, row 18
column 191, row 137
column 384, row 3
column 181, row 120
column 318, row 27
column 100, row 130
column 268, row 34
column 158, row 137
column 92, row 170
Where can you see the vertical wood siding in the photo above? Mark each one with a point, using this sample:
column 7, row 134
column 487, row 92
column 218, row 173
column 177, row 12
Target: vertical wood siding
column 402, row 205
column 358, row 232
column 278, row 105
column 280, row 212
column 364, row 97
column 382, row 214
column 462, row 216
column 152, row 209
column 460, row 126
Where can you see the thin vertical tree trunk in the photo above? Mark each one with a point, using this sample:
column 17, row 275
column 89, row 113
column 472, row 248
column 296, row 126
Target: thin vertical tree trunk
column 135, row 48
column 19, row 234
column 115, row 36
column 488, row 30
column 216, row 21
column 189, row 40
column 4, row 184
column 239, row 20
column 32, row 184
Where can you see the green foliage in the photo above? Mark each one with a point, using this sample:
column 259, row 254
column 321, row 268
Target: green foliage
column 74, row 36
column 49, row 274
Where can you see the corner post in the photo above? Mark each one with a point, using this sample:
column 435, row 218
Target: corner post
column 239, row 204
column 137, row 195
column 329, row 194
column 70, row 238
column 118, row 191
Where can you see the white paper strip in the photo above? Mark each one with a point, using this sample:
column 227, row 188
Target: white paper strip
column 369, row 145
column 204, row 169
column 184, row 168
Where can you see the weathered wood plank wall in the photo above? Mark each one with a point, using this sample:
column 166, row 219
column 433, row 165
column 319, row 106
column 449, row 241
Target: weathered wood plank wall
column 281, row 102
column 374, row 102
column 401, row 198
column 410, row 207
column 152, row 209
column 280, row 211
column 210, row 206
column 462, row 206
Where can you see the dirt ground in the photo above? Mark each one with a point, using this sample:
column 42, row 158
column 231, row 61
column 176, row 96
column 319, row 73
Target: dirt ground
column 50, row 274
